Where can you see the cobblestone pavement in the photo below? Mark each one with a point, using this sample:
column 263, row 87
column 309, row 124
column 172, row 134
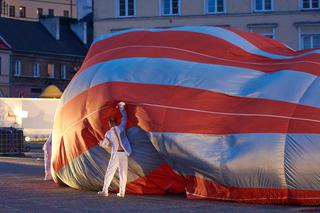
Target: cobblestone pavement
column 22, row 189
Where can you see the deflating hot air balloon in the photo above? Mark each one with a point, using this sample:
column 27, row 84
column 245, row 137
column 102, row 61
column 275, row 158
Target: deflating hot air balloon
column 215, row 113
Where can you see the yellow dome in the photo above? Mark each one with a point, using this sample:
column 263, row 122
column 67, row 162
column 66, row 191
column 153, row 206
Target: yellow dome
column 51, row 91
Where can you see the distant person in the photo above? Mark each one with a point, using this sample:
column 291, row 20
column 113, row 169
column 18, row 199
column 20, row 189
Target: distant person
column 121, row 149
column 47, row 158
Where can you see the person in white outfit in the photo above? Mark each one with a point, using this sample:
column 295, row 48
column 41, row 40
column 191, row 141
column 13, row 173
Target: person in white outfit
column 121, row 149
column 47, row 158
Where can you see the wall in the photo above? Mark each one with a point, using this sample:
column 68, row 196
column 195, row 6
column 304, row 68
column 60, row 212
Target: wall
column 31, row 7
column 150, row 8
column 4, row 75
column 238, row 15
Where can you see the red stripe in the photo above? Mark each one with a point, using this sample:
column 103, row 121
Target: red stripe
column 162, row 180
column 87, row 132
column 202, row 123
column 266, row 65
column 192, row 41
column 101, row 96
column 199, row 188
column 189, row 41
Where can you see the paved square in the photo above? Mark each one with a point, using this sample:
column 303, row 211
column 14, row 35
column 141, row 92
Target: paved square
column 22, row 189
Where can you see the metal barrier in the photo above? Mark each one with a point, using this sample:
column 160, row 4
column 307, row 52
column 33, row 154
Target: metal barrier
column 11, row 141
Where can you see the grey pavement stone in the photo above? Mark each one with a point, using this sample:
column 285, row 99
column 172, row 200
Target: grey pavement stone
column 22, row 189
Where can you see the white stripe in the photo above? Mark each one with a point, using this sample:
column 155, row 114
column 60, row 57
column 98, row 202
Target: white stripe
column 249, row 160
column 229, row 80
column 94, row 160
column 218, row 32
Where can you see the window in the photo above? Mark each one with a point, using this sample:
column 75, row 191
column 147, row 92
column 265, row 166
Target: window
column 40, row 12
column 310, row 41
column 12, row 11
column 17, row 70
column 126, row 8
column 35, row 90
column 63, row 71
column 51, row 70
column 267, row 30
column 310, row 4
column 170, row 7
column 50, row 12
column 22, row 11
column 263, row 5
column 215, row 6
column 36, row 70
column 268, row 35
column 66, row 13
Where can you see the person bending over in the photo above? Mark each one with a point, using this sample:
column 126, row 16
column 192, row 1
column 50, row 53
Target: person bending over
column 121, row 149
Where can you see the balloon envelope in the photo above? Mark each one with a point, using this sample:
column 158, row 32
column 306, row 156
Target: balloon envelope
column 215, row 113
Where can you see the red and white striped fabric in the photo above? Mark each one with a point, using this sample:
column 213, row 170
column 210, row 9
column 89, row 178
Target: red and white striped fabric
column 213, row 112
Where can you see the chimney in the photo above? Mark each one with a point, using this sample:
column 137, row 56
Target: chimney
column 52, row 25
column 84, row 7
column 80, row 29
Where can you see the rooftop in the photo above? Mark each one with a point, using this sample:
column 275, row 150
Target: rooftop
column 29, row 36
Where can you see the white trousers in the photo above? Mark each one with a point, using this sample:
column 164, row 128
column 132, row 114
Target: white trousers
column 47, row 162
column 118, row 160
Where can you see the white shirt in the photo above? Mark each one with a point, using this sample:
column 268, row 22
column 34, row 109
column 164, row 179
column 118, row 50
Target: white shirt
column 113, row 140
column 114, row 135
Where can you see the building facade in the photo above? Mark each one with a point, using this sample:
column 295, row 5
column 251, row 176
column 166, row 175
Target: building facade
column 33, row 9
column 32, row 73
column 50, row 53
column 294, row 22
column 4, row 68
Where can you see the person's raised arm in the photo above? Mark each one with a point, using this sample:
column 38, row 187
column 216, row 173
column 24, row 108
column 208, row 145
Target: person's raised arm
column 123, row 112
